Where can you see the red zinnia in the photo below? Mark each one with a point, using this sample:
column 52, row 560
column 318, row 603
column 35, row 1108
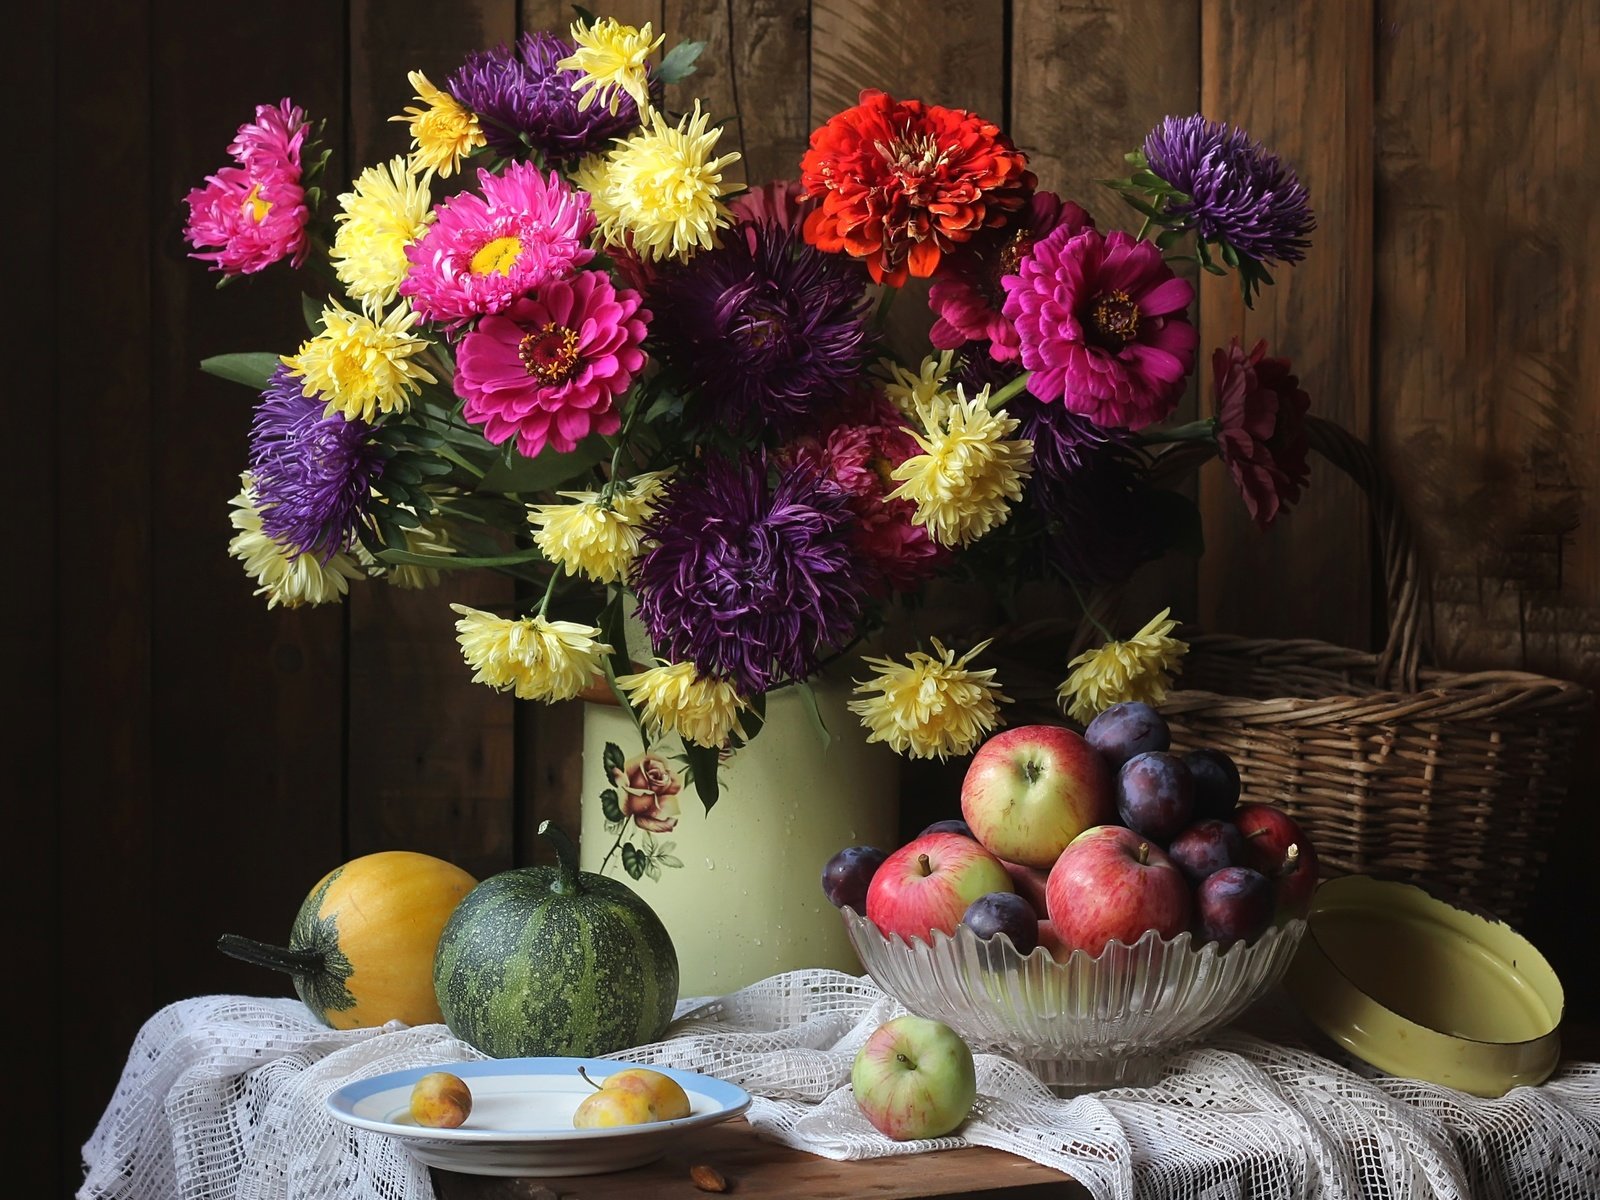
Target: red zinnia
column 1261, row 428
column 903, row 182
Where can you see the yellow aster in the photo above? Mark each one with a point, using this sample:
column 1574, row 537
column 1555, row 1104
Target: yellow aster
column 931, row 704
column 678, row 699
column 660, row 190
column 443, row 130
column 389, row 209
column 968, row 474
column 597, row 536
column 920, row 391
column 286, row 577
column 360, row 367
column 537, row 659
column 1140, row 668
column 611, row 59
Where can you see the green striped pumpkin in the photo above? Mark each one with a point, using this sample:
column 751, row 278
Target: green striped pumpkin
column 555, row 961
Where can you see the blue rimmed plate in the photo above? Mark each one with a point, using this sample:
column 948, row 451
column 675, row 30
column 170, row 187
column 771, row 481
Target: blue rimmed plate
column 521, row 1121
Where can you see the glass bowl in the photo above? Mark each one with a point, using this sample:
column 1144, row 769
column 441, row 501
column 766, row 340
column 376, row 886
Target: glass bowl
column 1084, row 1023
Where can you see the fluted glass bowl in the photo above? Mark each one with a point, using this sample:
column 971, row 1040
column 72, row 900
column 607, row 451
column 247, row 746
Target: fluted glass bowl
column 1086, row 1022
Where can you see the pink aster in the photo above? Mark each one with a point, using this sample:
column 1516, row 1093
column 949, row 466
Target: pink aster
column 484, row 252
column 549, row 368
column 859, row 456
column 966, row 294
column 1102, row 324
column 254, row 214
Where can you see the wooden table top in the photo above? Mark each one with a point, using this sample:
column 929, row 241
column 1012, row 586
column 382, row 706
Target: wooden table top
column 755, row 1167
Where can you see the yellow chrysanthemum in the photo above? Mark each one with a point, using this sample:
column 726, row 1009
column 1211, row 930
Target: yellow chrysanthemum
column 678, row 699
column 361, row 367
column 611, row 59
column 967, row 476
column 389, row 209
column 443, row 130
column 931, row 704
column 286, row 577
column 920, row 391
column 660, row 190
column 1140, row 668
column 537, row 659
column 597, row 536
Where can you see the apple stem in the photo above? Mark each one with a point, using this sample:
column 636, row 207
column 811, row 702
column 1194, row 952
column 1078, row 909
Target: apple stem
column 1144, row 854
column 589, row 1081
column 1291, row 859
column 924, row 865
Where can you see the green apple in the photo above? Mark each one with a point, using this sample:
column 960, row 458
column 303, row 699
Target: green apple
column 914, row 1078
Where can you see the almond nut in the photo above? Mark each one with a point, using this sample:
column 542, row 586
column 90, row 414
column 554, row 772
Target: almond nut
column 707, row 1179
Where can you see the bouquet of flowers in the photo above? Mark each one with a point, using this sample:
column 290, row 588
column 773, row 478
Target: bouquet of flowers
column 558, row 341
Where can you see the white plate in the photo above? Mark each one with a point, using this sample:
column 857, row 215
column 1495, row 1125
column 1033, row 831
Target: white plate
column 521, row 1120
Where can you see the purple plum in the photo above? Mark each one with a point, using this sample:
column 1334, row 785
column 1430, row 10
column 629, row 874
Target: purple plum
column 1216, row 783
column 1155, row 795
column 1206, row 847
column 1125, row 730
column 1235, row 905
column 954, row 825
column 1007, row 913
column 847, row 874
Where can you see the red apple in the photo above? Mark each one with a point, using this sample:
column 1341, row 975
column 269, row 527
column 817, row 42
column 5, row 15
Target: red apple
column 1051, row 941
column 1277, row 847
column 928, row 883
column 1111, row 884
column 1032, row 789
column 1029, row 883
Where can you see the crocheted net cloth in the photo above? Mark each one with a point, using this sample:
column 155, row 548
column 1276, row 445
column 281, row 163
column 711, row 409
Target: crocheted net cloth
column 223, row 1096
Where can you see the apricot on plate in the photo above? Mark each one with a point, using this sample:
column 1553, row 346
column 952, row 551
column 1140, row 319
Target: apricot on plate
column 440, row 1100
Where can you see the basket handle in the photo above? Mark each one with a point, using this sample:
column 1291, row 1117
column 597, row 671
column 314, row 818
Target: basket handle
column 1405, row 583
column 1404, row 578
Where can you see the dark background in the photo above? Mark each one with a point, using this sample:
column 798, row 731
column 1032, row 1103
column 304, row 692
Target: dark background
column 185, row 763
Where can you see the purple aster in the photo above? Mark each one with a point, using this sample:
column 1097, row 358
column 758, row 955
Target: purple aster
column 1240, row 194
column 519, row 93
column 767, row 328
column 313, row 474
column 749, row 579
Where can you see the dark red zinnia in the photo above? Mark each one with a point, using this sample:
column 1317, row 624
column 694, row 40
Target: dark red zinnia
column 903, row 183
column 1261, row 428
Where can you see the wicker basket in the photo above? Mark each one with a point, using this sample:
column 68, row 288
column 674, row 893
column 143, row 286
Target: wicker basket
column 1450, row 779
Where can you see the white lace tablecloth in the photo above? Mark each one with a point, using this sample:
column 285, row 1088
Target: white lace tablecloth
column 223, row 1097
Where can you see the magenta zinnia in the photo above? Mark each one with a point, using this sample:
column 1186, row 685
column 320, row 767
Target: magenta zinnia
column 966, row 294
column 1103, row 326
column 548, row 370
column 750, row 580
column 484, row 252
column 1261, row 428
column 249, row 216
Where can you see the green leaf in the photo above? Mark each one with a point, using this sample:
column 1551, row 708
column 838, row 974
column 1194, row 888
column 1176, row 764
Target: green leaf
column 632, row 861
column 1168, row 238
column 444, row 562
column 588, row 18
column 652, row 869
column 669, row 860
column 808, row 697
column 611, row 805
column 546, row 471
column 678, row 64
column 703, row 762
column 611, row 758
column 253, row 370
column 312, row 312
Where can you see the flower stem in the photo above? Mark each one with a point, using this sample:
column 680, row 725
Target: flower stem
column 444, row 452
column 1013, row 388
column 1143, row 229
column 1087, row 611
column 613, row 850
column 1203, row 430
column 881, row 317
column 549, row 590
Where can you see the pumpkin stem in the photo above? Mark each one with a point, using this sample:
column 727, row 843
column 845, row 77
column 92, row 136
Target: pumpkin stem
column 277, row 958
column 568, row 882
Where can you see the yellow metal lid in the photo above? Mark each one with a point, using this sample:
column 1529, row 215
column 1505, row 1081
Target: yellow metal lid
column 1423, row 989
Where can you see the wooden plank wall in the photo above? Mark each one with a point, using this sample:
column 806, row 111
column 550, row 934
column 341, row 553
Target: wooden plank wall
column 191, row 763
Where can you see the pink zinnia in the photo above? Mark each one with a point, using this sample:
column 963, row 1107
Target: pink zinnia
column 1102, row 325
column 780, row 202
column 966, row 294
column 249, row 216
column 859, row 457
column 549, row 369
column 485, row 252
